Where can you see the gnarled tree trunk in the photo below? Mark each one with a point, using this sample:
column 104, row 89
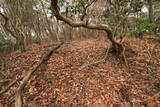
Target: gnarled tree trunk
column 117, row 47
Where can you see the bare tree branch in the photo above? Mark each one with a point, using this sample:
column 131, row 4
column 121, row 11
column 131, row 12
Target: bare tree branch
column 85, row 9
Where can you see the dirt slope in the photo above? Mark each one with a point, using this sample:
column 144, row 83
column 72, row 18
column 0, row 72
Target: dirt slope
column 67, row 81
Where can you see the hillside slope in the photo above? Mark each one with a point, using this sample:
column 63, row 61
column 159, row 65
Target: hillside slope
column 69, row 79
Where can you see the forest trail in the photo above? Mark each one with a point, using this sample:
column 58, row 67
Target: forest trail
column 63, row 83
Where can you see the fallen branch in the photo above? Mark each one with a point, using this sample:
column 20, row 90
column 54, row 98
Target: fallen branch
column 18, row 99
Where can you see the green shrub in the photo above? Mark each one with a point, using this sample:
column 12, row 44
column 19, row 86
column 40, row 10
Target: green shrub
column 6, row 43
column 6, row 46
column 145, row 27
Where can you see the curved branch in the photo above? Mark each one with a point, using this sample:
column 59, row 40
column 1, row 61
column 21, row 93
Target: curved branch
column 87, row 25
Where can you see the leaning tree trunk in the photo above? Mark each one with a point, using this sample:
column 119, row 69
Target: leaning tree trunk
column 150, row 14
column 116, row 46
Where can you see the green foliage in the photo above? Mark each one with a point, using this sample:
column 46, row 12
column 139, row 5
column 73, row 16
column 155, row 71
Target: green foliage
column 136, row 5
column 49, row 79
column 112, row 20
column 76, row 9
column 145, row 27
column 4, row 42
column 19, row 1
column 109, row 20
column 6, row 46
column 61, row 2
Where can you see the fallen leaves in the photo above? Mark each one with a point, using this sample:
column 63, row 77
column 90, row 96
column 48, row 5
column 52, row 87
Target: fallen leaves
column 61, row 83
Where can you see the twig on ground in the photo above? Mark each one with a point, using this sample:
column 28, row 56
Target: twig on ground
column 87, row 65
column 150, row 98
column 124, row 57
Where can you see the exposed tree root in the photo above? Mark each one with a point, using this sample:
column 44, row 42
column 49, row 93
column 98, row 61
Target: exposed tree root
column 19, row 99
column 13, row 82
column 124, row 57
column 119, row 50
column 10, row 85
column 110, row 84
column 94, row 63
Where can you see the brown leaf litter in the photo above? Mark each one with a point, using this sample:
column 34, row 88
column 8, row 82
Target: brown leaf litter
column 61, row 83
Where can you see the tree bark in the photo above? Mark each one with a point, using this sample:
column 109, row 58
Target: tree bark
column 117, row 47
column 6, row 25
column 150, row 8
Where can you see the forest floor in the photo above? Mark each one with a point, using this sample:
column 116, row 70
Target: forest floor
column 72, row 78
